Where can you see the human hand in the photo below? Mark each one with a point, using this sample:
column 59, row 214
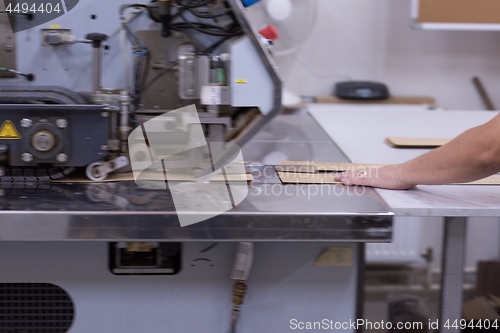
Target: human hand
column 388, row 177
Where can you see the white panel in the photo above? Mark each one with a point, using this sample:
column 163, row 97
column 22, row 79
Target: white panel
column 257, row 87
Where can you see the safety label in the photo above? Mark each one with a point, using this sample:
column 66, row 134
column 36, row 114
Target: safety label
column 9, row 131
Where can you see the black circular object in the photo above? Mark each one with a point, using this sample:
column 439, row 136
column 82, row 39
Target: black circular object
column 97, row 38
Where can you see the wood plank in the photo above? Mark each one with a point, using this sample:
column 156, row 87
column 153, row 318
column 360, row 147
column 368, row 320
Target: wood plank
column 417, row 100
column 401, row 142
column 296, row 168
column 334, row 167
column 491, row 180
column 307, row 178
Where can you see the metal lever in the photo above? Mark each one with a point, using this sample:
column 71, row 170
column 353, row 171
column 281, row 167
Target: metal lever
column 97, row 39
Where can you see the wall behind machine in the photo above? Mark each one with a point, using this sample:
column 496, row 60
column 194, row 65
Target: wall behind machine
column 373, row 40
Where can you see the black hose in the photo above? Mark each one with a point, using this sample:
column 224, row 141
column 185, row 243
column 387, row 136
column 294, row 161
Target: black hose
column 153, row 80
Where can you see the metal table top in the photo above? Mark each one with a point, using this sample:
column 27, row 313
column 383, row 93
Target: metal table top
column 271, row 211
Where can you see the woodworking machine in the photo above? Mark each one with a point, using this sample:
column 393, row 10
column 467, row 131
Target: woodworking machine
column 173, row 53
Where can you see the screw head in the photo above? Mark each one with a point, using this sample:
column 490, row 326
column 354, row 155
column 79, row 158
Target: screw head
column 104, row 147
column 61, row 157
column 27, row 157
column 61, row 123
column 26, row 122
column 104, row 114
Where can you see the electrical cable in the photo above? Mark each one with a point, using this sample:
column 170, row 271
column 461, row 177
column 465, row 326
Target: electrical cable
column 239, row 291
column 212, row 47
column 29, row 76
column 138, row 48
column 200, row 26
column 207, row 15
column 153, row 80
column 195, row 5
column 141, row 72
column 29, row 16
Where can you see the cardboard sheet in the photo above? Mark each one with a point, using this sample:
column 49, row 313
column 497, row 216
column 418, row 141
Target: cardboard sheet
column 491, row 180
column 307, row 178
column 296, row 168
column 400, row 142
column 326, row 166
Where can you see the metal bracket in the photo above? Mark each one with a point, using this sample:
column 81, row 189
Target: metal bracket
column 100, row 170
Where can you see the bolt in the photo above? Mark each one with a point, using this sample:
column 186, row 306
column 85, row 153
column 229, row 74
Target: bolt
column 27, row 157
column 61, row 123
column 25, row 122
column 61, row 157
column 104, row 114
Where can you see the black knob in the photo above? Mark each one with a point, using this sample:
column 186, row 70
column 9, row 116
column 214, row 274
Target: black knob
column 96, row 39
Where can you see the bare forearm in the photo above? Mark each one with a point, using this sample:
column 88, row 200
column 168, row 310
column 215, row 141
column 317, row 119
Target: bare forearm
column 473, row 155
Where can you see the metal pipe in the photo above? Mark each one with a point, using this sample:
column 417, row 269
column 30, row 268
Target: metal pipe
column 124, row 119
column 452, row 278
column 96, row 70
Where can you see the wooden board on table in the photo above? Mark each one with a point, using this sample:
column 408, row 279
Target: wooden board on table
column 327, row 166
column 491, row 180
column 417, row 100
column 295, row 168
column 401, row 142
column 307, row 178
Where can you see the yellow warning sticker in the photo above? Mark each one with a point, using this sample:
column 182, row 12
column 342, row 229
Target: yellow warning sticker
column 241, row 81
column 9, row 131
column 55, row 26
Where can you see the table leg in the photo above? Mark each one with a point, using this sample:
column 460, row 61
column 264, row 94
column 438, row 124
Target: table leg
column 360, row 288
column 452, row 273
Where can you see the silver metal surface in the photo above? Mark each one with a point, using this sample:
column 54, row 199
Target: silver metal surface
column 27, row 157
column 96, row 69
column 454, row 242
column 61, row 123
column 25, row 122
column 123, row 211
column 270, row 212
column 61, row 157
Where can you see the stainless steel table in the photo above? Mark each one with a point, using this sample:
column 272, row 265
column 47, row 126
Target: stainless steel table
column 271, row 211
